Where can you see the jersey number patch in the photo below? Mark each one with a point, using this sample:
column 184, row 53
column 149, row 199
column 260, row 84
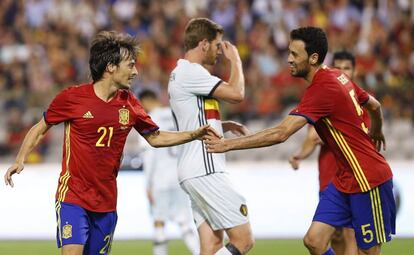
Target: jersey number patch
column 104, row 131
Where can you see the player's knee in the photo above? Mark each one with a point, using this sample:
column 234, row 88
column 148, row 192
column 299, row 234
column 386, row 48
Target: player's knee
column 312, row 243
column 242, row 247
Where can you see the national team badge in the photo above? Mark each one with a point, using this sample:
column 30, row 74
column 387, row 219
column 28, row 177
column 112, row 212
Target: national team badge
column 67, row 231
column 243, row 210
column 124, row 116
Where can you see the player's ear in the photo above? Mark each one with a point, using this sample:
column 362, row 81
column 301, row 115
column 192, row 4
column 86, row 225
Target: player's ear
column 110, row 68
column 204, row 45
column 313, row 59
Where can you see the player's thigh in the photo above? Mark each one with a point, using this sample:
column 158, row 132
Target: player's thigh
column 72, row 224
column 160, row 208
column 179, row 206
column 217, row 201
column 241, row 235
column 101, row 231
column 333, row 208
column 210, row 241
column 72, row 249
column 375, row 223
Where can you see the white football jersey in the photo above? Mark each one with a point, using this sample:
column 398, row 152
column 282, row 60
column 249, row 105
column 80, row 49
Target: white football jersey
column 160, row 164
column 190, row 89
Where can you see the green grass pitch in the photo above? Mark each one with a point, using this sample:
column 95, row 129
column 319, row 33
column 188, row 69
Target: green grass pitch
column 133, row 247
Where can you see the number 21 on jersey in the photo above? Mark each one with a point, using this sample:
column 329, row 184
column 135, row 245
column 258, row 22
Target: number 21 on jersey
column 105, row 131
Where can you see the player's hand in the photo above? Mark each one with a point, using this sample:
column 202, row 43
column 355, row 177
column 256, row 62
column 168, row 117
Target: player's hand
column 230, row 51
column 16, row 168
column 215, row 144
column 150, row 196
column 378, row 139
column 294, row 162
column 236, row 128
column 204, row 130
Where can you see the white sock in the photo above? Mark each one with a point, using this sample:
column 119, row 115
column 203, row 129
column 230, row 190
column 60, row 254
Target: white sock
column 223, row 251
column 160, row 242
column 190, row 239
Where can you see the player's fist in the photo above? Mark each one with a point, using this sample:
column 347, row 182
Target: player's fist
column 230, row 51
column 16, row 168
column 294, row 162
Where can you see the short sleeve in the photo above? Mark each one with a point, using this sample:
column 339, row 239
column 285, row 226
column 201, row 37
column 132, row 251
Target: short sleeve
column 361, row 95
column 317, row 102
column 61, row 108
column 144, row 124
column 200, row 82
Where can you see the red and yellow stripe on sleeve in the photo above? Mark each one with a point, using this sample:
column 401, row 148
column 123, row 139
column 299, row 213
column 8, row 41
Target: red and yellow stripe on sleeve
column 212, row 109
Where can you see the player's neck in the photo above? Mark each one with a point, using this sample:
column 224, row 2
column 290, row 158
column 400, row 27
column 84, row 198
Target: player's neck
column 104, row 90
column 193, row 56
column 312, row 72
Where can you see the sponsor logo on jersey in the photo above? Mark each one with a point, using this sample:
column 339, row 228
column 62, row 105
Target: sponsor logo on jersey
column 124, row 116
column 88, row 115
column 243, row 210
column 67, row 231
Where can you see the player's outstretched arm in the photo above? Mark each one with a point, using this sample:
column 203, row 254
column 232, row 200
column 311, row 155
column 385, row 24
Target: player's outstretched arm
column 32, row 138
column 308, row 146
column 169, row 138
column 375, row 114
column 267, row 137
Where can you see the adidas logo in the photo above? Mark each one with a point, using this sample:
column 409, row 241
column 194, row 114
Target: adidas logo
column 88, row 115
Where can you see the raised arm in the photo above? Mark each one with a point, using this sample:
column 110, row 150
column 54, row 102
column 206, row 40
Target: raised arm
column 308, row 146
column 264, row 138
column 375, row 114
column 32, row 138
column 233, row 91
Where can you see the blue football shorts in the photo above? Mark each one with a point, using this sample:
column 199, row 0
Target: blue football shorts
column 76, row 225
column 371, row 214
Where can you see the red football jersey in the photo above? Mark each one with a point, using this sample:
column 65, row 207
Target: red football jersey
column 95, row 134
column 327, row 161
column 332, row 104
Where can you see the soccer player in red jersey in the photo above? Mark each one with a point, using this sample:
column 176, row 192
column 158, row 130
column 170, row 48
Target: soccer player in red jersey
column 98, row 117
column 343, row 240
column 360, row 195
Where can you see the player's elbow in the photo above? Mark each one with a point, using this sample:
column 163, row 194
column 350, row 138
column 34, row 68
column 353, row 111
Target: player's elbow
column 373, row 104
column 236, row 97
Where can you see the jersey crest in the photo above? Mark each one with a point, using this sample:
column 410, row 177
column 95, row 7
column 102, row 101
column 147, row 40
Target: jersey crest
column 124, row 116
column 343, row 79
column 67, row 231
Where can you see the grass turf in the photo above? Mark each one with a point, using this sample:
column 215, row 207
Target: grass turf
column 142, row 247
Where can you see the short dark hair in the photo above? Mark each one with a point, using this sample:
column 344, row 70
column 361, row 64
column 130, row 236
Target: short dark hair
column 109, row 47
column 147, row 94
column 344, row 55
column 315, row 41
column 199, row 29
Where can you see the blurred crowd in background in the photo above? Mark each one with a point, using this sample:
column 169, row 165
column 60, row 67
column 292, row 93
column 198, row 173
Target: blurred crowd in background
column 44, row 48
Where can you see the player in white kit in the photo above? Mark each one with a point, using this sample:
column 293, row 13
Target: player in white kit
column 168, row 201
column 194, row 95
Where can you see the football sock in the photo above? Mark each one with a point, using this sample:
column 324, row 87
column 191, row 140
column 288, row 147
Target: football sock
column 329, row 252
column 229, row 249
column 160, row 242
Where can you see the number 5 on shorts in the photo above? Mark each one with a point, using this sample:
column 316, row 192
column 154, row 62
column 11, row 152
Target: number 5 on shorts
column 367, row 232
